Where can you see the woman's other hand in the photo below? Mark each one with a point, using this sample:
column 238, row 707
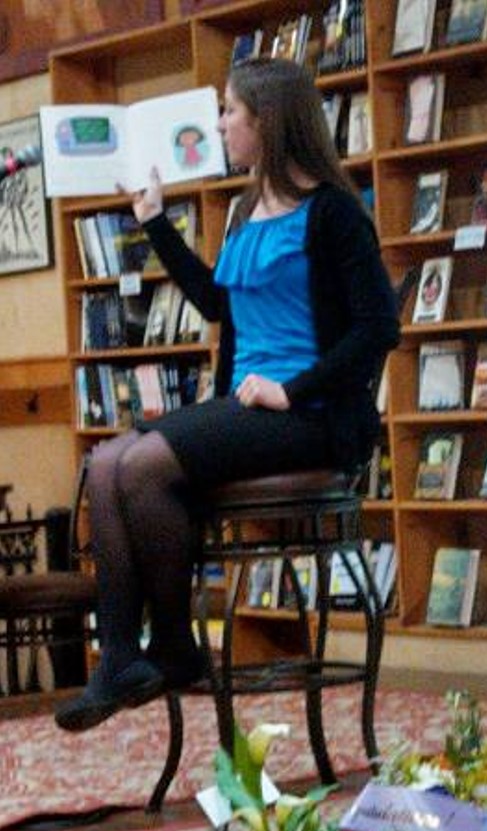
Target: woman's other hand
column 147, row 204
column 257, row 391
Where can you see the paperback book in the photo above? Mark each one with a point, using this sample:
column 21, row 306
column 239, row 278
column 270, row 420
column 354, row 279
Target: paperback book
column 413, row 27
column 359, row 125
column 424, row 108
column 453, row 587
column 433, row 290
column 478, row 399
column 90, row 149
column 467, row 21
column 439, row 462
column 429, row 202
column 442, row 375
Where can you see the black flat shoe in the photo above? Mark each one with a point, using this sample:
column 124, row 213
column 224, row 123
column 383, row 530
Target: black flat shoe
column 138, row 684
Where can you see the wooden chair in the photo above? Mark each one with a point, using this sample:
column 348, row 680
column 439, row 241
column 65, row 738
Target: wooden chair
column 49, row 609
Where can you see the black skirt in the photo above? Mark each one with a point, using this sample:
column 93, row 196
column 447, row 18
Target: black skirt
column 220, row 440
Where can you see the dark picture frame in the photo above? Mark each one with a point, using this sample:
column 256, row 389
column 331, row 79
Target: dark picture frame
column 30, row 29
column 25, row 217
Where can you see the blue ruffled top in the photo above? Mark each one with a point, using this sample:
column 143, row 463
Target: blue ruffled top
column 264, row 267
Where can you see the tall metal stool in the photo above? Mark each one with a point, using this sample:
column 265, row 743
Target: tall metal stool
column 313, row 513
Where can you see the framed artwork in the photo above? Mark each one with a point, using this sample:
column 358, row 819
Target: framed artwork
column 25, row 222
column 29, row 29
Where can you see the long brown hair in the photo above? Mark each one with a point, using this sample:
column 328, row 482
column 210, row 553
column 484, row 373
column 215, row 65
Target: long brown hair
column 293, row 129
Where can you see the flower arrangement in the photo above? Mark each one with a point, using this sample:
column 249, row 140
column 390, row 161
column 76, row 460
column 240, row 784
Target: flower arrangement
column 460, row 769
column 239, row 779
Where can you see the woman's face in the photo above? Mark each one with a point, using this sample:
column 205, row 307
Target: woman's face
column 239, row 129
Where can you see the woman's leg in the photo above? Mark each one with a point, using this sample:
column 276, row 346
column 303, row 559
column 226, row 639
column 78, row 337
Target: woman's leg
column 119, row 585
column 123, row 677
column 153, row 496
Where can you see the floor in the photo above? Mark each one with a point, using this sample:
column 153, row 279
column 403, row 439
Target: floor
column 188, row 814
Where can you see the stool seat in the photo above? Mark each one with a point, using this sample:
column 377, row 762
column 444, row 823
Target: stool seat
column 287, row 487
column 54, row 591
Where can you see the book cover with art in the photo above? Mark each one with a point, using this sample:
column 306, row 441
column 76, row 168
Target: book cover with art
column 429, row 202
column 439, row 461
column 433, row 290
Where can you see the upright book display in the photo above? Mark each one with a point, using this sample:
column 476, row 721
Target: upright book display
column 115, row 70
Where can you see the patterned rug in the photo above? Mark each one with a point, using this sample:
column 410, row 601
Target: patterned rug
column 44, row 770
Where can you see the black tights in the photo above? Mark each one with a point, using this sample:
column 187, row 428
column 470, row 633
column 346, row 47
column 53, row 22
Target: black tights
column 142, row 546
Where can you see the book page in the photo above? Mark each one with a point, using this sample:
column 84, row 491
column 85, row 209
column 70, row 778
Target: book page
column 84, row 148
column 176, row 133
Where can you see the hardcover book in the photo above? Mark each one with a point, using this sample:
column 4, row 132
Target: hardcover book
column 433, row 290
column 413, row 26
column 429, row 202
column 90, row 149
column 439, row 462
column 442, row 375
column 453, row 587
column 424, row 108
column 467, row 21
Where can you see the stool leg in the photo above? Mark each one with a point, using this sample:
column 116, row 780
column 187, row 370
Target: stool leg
column 316, row 733
column 175, row 715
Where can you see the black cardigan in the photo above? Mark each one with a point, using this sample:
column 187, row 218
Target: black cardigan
column 353, row 306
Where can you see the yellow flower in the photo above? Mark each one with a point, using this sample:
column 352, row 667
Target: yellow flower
column 260, row 738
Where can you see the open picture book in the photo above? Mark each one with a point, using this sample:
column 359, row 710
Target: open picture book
column 89, row 149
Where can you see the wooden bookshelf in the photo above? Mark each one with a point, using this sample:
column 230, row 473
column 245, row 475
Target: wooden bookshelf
column 195, row 51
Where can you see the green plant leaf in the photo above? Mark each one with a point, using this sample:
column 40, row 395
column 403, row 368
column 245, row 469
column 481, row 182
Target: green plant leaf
column 249, row 772
column 230, row 785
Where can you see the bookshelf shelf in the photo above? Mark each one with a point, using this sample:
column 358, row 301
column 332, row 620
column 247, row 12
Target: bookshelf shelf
column 173, row 56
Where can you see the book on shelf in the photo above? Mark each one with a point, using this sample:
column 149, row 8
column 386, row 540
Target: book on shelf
column 89, row 149
column 205, row 388
column 260, row 583
column 183, row 216
column 332, row 104
column 439, row 461
column 442, row 375
column 343, row 36
column 359, row 138
column 433, row 290
column 467, row 21
column 165, row 295
column 283, row 593
column 429, row 202
column 413, row 26
column 291, row 39
column 479, row 207
column 379, row 485
column 111, row 244
column 478, row 396
column 342, row 587
column 482, row 494
column 457, row 597
column 423, row 111
column 246, row 46
column 381, row 559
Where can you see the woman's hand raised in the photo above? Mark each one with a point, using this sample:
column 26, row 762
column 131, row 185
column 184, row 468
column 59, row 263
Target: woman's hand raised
column 147, row 203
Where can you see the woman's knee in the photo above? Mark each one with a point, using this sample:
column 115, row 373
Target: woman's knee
column 148, row 462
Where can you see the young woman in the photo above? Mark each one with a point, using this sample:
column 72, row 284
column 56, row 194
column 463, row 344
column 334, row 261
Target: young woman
column 306, row 313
